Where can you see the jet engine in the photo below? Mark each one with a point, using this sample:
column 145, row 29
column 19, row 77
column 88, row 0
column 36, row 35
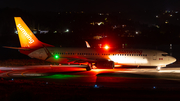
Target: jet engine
column 105, row 65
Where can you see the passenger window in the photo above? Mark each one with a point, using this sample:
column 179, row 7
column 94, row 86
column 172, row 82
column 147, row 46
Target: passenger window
column 164, row 54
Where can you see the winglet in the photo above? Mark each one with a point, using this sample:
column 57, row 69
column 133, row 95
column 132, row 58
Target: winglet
column 87, row 44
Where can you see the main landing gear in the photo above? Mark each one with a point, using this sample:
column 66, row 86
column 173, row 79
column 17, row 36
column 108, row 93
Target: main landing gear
column 89, row 67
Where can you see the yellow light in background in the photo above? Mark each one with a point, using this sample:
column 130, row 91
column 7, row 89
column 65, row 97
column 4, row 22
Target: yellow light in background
column 166, row 21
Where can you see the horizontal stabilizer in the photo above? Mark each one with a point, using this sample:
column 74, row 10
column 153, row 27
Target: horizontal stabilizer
column 19, row 48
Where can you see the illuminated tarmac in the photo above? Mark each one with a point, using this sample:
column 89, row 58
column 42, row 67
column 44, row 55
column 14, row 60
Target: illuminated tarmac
column 54, row 83
column 167, row 78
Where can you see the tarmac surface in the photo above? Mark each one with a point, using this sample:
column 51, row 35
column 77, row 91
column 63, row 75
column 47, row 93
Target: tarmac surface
column 108, row 84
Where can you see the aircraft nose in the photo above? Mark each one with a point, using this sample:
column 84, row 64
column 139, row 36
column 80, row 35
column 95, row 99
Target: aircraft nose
column 172, row 59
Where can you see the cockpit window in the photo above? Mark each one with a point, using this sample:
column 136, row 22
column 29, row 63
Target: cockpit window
column 164, row 54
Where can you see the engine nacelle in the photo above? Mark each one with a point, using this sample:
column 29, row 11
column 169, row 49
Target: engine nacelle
column 105, row 65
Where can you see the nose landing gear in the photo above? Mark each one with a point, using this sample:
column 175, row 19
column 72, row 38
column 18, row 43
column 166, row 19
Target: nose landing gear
column 158, row 68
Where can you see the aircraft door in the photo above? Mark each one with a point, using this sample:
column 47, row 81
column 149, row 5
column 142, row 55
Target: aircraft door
column 154, row 56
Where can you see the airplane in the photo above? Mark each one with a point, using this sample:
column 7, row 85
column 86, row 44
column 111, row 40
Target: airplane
column 91, row 57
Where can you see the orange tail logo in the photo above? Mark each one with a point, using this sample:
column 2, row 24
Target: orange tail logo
column 26, row 37
column 25, row 34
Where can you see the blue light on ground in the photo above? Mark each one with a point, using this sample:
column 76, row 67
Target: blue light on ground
column 95, row 86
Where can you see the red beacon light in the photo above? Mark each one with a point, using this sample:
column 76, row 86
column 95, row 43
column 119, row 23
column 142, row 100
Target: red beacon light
column 106, row 47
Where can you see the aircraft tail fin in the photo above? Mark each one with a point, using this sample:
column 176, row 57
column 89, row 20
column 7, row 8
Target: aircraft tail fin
column 26, row 37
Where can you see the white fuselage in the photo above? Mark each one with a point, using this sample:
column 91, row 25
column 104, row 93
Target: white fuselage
column 134, row 57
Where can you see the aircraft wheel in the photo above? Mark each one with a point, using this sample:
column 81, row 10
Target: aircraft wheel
column 158, row 68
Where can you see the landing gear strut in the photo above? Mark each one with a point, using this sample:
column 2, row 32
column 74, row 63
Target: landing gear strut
column 89, row 67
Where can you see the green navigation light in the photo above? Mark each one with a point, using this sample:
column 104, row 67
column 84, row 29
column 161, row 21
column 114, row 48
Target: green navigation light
column 56, row 56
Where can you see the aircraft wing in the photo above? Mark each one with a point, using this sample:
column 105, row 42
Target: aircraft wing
column 79, row 60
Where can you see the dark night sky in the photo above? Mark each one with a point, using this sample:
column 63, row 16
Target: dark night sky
column 91, row 5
